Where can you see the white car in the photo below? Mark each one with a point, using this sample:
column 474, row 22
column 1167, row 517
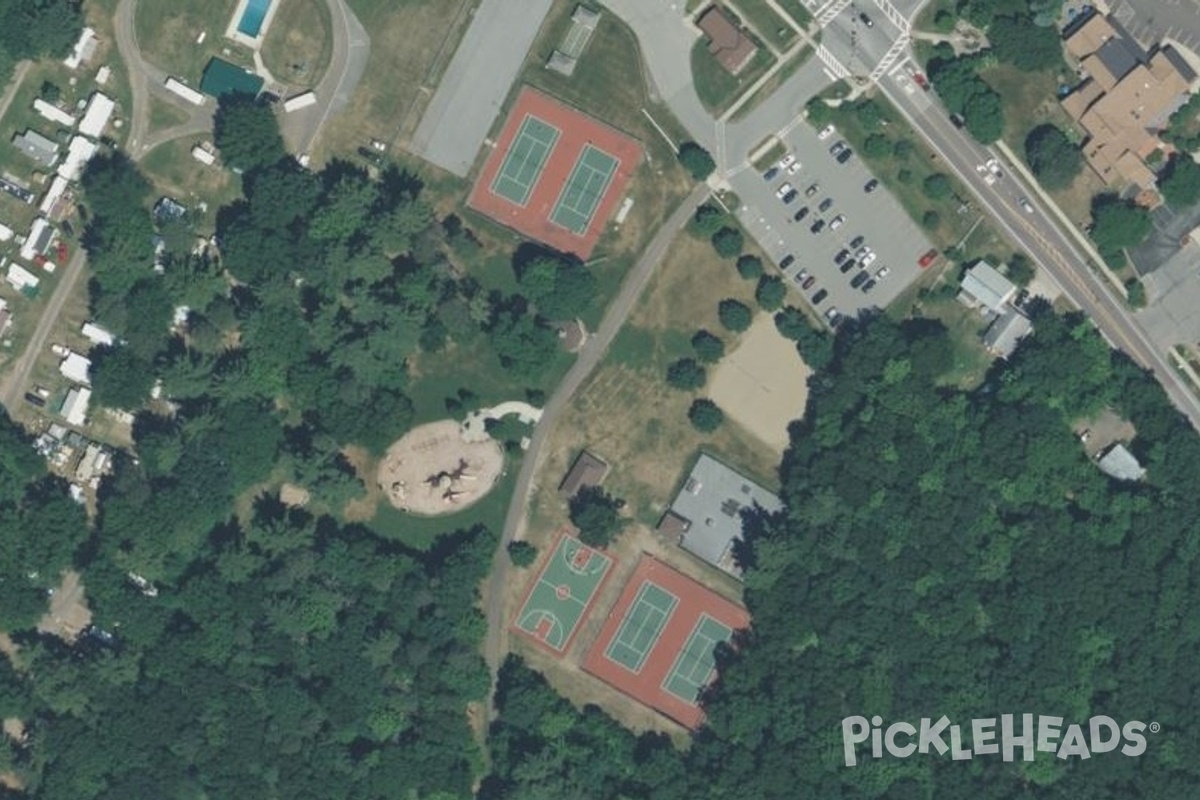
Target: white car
column 794, row 168
column 782, row 191
column 787, row 161
column 988, row 177
column 882, row 273
column 837, row 222
column 868, row 259
column 993, row 166
column 826, row 132
column 1025, row 204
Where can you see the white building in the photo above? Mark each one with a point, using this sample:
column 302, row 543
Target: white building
column 103, row 74
column 299, row 101
column 53, row 113
column 984, row 286
column 75, row 407
column 183, row 90
column 6, row 233
column 58, row 188
column 97, row 335
column 21, row 278
column 203, row 156
column 84, row 49
column 95, row 117
column 76, row 368
column 41, row 234
column 79, row 152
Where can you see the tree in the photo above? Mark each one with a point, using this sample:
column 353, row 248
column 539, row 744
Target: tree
column 560, row 289
column 120, row 379
column 1020, row 269
column 902, row 149
column 685, row 374
column 597, row 515
column 728, row 242
column 1054, row 159
column 818, row 112
column 524, row 344
column 1180, row 181
column 750, row 266
column 39, row 28
column 984, row 113
column 708, row 346
column 931, row 219
column 904, row 175
column 696, row 160
column 944, row 21
column 937, row 186
column 876, row 146
column 705, row 415
column 770, row 292
column 1018, row 41
column 707, row 220
column 246, row 133
column 735, row 315
column 1135, row 293
column 522, row 553
column 1117, row 225
column 815, row 346
column 50, row 92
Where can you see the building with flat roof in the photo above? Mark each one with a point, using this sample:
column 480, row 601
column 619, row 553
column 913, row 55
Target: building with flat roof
column 588, row 470
column 76, row 368
column 6, row 234
column 985, row 287
column 728, row 43
column 1005, row 332
column 41, row 234
column 709, row 510
column 53, row 113
column 221, row 78
column 75, row 406
column 20, row 278
column 1126, row 99
column 38, row 148
column 54, row 196
column 83, row 50
column 79, row 152
column 96, row 335
column 99, row 111
column 1121, row 464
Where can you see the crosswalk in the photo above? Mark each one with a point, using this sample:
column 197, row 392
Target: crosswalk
column 830, row 61
column 889, row 58
column 831, row 11
column 893, row 14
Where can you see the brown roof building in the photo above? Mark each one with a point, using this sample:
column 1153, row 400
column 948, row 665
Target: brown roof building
column 1125, row 101
column 726, row 41
column 588, row 470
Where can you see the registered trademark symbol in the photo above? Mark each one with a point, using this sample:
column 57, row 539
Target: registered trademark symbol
column 1155, row 727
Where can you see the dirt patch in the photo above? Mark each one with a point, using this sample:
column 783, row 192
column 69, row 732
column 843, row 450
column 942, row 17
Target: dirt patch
column 292, row 495
column 763, row 384
column 68, row 615
column 1102, row 431
column 433, row 470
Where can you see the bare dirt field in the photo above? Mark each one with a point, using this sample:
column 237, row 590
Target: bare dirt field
column 68, row 614
column 432, row 470
column 763, row 384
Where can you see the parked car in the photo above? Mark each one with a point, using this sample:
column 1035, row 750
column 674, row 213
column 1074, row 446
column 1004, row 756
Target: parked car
column 841, row 256
column 787, row 261
column 857, row 242
column 993, row 166
column 826, row 132
column 837, row 222
column 783, row 189
column 845, row 155
column 770, row 174
column 787, row 161
column 848, row 265
column 811, row 190
column 837, row 148
column 862, row 16
column 859, row 279
column 800, row 276
column 862, row 252
column 882, row 273
column 826, row 204
column 832, row 314
column 819, row 297
column 808, row 282
column 868, row 259
column 817, row 226
column 871, row 186
column 790, row 196
column 928, row 258
column 869, row 285
column 794, row 168
column 801, row 214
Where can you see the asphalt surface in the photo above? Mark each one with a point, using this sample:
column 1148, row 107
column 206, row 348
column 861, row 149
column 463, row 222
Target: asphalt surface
column 476, row 83
column 1151, row 20
column 589, row 356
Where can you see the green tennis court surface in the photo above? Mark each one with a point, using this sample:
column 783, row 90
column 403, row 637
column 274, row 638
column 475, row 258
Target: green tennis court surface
column 643, row 624
column 562, row 592
column 526, row 157
column 582, row 192
column 695, row 663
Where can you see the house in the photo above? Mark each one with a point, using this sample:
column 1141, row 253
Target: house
column 79, row 152
column 5, row 317
column 168, row 208
column 1126, row 99
column 6, row 233
column 52, row 201
column 732, row 47
column 76, row 368
column 53, row 113
column 97, row 335
column 588, row 470
column 99, row 110
column 75, row 406
column 20, row 278
column 93, row 464
column 203, row 156
column 39, row 239
column 1005, row 332
column 84, row 49
column 38, row 148
column 983, row 286
column 103, row 74
column 707, row 512
column 1121, row 464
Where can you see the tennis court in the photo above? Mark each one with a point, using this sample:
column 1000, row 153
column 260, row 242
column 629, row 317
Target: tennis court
column 693, row 667
column 523, row 165
column 642, row 626
column 582, row 192
column 560, row 595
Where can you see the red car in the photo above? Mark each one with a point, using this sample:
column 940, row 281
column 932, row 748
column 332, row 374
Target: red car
column 919, row 80
column 927, row 259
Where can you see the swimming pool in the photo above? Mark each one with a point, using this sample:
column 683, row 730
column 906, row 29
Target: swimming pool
column 252, row 18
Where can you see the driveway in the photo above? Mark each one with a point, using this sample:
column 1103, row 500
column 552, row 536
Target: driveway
column 474, row 86
column 1149, row 21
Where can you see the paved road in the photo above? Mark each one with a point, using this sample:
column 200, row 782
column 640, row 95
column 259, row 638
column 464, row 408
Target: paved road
column 595, row 348
column 1151, row 20
column 476, row 82
column 13, row 385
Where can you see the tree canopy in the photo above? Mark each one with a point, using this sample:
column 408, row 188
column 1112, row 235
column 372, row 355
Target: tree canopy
column 1017, row 40
column 1054, row 158
column 1117, row 224
column 696, row 160
column 597, row 515
column 1180, row 181
column 245, row 132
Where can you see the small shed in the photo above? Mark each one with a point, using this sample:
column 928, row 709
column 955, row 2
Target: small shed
column 588, row 470
column 76, row 368
column 1121, row 464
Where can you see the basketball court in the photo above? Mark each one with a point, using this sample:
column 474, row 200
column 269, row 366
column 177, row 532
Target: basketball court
column 562, row 593
column 659, row 642
column 555, row 174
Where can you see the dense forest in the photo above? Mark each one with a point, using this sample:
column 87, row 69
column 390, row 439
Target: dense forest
column 943, row 552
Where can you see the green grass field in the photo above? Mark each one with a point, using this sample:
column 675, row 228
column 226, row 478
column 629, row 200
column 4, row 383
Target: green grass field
column 768, row 24
column 167, row 34
column 299, row 42
column 717, row 88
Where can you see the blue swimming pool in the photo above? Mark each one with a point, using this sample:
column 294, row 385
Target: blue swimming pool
column 253, row 16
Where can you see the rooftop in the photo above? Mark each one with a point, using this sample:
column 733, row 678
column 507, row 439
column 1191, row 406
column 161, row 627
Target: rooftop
column 221, row 78
column 76, row 368
column 711, row 502
column 1006, row 331
column 37, row 147
column 1121, row 464
column 726, row 41
column 99, row 110
column 588, row 470
column 984, row 284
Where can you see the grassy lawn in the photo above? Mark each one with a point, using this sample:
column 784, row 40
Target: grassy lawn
column 164, row 115
column 769, row 156
column 411, row 44
column 167, row 34
column 715, row 86
column 299, row 42
column 174, row 172
column 797, row 11
column 775, row 81
column 1029, row 100
column 766, row 23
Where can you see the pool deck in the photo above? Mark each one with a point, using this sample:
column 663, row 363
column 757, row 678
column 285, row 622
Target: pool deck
column 253, row 42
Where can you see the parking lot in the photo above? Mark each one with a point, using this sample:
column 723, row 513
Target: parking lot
column 886, row 229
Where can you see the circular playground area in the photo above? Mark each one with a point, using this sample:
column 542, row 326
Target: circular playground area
column 433, row 470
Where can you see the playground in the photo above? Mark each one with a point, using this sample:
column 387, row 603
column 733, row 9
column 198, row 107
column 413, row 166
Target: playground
column 561, row 594
column 555, row 174
column 434, row 470
column 659, row 642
